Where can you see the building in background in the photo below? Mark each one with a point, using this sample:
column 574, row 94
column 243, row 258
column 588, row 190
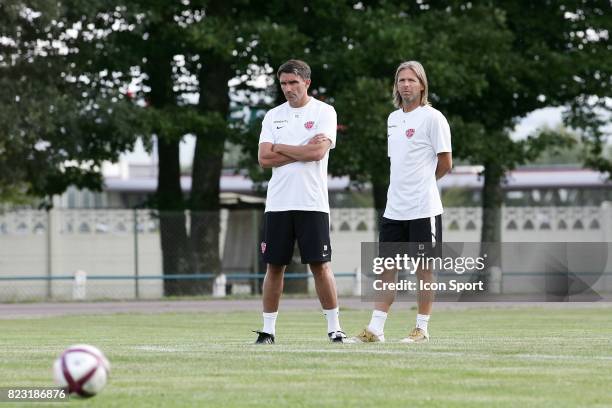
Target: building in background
column 133, row 185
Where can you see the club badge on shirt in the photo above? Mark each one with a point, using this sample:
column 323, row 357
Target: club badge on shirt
column 263, row 247
column 308, row 125
column 409, row 133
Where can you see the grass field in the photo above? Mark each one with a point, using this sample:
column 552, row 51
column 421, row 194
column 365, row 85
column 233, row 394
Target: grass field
column 477, row 358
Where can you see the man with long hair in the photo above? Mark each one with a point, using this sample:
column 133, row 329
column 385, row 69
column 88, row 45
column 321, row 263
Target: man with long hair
column 419, row 148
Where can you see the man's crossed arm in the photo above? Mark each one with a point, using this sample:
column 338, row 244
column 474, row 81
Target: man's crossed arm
column 276, row 155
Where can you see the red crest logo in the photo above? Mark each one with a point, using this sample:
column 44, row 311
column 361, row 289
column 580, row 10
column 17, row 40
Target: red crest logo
column 263, row 247
column 308, row 125
column 410, row 133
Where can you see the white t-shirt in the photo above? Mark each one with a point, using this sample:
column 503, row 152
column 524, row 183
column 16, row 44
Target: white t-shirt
column 414, row 140
column 300, row 185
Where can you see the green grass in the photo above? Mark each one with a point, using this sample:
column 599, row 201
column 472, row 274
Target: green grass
column 477, row 358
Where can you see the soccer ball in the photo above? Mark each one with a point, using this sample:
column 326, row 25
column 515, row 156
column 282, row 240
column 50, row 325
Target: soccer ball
column 82, row 370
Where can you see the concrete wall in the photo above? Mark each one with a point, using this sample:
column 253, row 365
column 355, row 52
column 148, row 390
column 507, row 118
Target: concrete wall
column 463, row 224
column 101, row 243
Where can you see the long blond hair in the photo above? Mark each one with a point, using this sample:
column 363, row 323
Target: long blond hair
column 418, row 69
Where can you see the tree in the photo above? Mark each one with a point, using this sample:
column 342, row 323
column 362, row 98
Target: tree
column 489, row 64
column 218, row 48
column 57, row 126
column 208, row 43
column 163, row 49
column 76, row 112
column 555, row 56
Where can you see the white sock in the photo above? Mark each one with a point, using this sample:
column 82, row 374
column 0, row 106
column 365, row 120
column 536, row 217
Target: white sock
column 333, row 319
column 377, row 323
column 421, row 322
column 269, row 320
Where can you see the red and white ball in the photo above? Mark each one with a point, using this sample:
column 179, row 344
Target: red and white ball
column 82, row 370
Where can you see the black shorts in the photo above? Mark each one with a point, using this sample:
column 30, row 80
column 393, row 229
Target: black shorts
column 417, row 237
column 282, row 228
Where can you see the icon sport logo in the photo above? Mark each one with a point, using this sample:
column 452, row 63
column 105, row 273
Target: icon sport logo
column 308, row 125
column 263, row 247
column 410, row 133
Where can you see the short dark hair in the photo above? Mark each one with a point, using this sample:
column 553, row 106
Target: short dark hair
column 296, row 67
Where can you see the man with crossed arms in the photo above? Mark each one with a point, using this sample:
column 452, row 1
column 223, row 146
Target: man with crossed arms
column 295, row 141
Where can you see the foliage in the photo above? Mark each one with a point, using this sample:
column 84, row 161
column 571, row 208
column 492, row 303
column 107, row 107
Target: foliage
column 61, row 115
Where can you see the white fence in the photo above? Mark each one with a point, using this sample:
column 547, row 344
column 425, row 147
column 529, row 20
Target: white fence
column 122, row 243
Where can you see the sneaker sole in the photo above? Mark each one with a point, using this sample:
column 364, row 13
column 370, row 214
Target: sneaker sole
column 356, row 340
column 410, row 341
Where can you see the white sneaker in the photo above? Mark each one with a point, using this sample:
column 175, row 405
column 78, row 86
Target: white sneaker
column 338, row 337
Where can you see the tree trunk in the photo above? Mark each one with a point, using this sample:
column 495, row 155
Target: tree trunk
column 169, row 196
column 173, row 233
column 205, row 207
column 492, row 200
column 207, row 166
